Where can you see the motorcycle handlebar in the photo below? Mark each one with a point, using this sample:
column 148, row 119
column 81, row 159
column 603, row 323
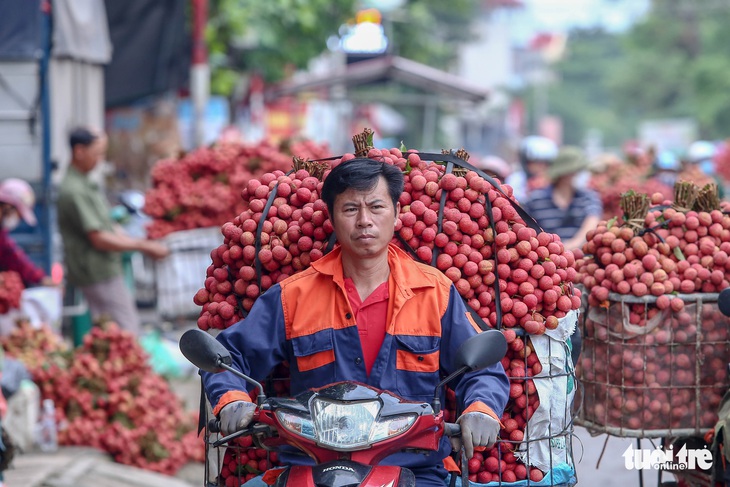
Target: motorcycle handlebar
column 450, row 429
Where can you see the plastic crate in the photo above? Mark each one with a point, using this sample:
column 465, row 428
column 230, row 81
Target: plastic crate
column 178, row 276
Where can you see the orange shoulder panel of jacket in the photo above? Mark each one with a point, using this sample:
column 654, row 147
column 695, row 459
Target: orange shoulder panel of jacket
column 229, row 397
column 409, row 276
column 480, row 407
column 330, row 264
column 434, row 274
column 316, row 301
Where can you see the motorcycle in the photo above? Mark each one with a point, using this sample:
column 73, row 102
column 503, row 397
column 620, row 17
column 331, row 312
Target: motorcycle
column 347, row 428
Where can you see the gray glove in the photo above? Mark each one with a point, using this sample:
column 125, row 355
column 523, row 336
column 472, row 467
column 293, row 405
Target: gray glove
column 236, row 416
column 477, row 429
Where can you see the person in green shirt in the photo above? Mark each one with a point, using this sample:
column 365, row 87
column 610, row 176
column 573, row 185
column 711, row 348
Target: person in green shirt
column 92, row 242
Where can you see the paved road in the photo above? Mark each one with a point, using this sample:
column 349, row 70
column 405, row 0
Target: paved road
column 86, row 467
column 611, row 472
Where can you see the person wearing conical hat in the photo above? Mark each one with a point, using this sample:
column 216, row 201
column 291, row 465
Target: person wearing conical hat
column 567, row 207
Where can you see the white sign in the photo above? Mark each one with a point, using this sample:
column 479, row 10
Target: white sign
column 366, row 37
column 674, row 134
column 648, row 459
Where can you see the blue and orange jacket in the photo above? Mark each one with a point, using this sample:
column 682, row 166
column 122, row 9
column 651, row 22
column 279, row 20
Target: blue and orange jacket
column 307, row 321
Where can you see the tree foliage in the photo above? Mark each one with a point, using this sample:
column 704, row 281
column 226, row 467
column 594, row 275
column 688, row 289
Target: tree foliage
column 674, row 63
column 432, row 31
column 268, row 36
column 581, row 95
column 273, row 36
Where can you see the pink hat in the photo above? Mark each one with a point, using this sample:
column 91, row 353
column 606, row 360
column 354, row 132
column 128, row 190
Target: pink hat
column 18, row 193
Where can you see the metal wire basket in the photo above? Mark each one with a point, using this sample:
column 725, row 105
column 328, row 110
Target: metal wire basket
column 650, row 372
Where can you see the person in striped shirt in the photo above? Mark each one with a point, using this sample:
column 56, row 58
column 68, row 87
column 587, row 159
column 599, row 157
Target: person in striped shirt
column 566, row 207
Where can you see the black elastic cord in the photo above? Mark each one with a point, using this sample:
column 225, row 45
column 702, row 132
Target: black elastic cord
column 440, row 221
column 202, row 410
column 528, row 219
column 659, row 207
column 407, row 246
column 232, row 279
column 497, row 298
column 330, row 243
column 478, row 319
column 259, row 229
column 325, row 159
column 652, row 230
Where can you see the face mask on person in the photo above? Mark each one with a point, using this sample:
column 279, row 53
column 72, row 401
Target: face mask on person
column 581, row 180
column 11, row 222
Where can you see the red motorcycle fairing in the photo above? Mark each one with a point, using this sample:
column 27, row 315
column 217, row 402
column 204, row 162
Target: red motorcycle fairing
column 346, row 474
column 424, row 435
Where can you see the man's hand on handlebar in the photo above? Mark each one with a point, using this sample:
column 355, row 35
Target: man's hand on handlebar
column 477, row 429
column 236, row 416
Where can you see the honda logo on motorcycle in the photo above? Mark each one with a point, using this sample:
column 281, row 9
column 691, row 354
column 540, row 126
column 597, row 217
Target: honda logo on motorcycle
column 339, row 467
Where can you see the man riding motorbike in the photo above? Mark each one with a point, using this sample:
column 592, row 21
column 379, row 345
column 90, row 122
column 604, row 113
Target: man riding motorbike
column 365, row 312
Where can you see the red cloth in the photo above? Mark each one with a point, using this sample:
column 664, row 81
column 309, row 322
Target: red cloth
column 370, row 317
column 12, row 258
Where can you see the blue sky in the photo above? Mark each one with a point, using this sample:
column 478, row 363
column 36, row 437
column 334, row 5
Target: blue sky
column 564, row 14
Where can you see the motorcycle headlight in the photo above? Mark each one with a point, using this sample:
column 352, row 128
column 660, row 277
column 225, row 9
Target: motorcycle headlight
column 296, row 424
column 351, row 426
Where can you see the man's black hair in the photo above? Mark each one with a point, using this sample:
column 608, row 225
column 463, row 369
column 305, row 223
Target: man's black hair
column 81, row 136
column 361, row 174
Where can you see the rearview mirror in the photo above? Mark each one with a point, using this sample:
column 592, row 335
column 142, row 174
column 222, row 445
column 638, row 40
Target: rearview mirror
column 478, row 352
column 482, row 350
column 204, row 351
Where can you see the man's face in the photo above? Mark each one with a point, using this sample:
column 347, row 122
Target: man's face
column 364, row 221
column 88, row 156
column 537, row 168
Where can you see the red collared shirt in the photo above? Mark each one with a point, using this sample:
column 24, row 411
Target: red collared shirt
column 370, row 316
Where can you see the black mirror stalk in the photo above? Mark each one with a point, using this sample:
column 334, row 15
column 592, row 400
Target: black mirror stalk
column 261, row 397
column 436, row 403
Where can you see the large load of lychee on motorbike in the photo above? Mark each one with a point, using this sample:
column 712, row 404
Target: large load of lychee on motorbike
column 656, row 346
column 513, row 276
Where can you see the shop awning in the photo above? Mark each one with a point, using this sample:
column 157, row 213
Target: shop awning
column 389, row 68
